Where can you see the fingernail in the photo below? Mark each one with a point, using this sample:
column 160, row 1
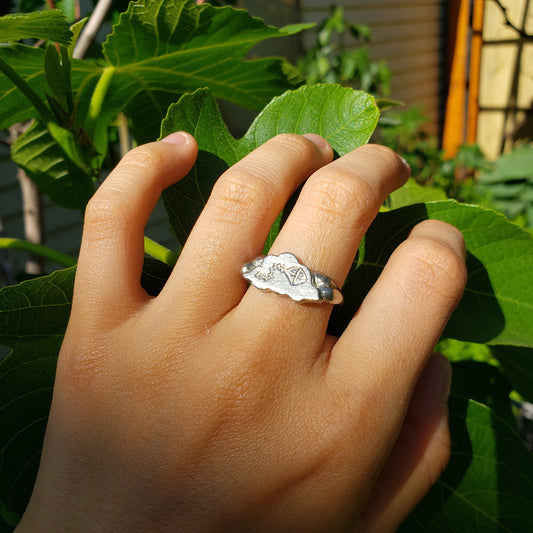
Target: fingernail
column 178, row 138
column 318, row 140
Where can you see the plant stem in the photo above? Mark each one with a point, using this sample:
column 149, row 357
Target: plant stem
column 97, row 100
column 27, row 91
column 157, row 251
column 123, row 134
column 91, row 28
column 33, row 217
column 45, row 251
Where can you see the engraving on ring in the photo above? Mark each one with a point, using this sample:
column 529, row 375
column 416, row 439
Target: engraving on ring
column 283, row 274
column 296, row 275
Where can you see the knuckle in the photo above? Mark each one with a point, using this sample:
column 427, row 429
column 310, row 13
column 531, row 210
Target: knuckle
column 340, row 198
column 296, row 143
column 241, row 194
column 145, row 157
column 435, row 268
column 104, row 212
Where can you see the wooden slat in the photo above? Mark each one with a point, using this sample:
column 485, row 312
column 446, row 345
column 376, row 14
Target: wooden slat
column 367, row 4
column 375, row 17
column 454, row 125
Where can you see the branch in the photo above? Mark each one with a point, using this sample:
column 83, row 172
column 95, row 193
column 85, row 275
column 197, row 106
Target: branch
column 91, row 28
column 33, row 217
column 157, row 251
column 39, row 249
column 508, row 22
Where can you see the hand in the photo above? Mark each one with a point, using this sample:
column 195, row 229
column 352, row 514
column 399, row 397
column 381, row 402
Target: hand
column 219, row 407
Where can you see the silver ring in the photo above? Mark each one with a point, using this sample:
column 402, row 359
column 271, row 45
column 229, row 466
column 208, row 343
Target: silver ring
column 284, row 274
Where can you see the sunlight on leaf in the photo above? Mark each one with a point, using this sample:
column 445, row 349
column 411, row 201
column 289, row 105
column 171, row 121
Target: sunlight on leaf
column 497, row 306
column 344, row 117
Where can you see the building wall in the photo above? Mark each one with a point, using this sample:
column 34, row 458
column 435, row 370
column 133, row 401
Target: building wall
column 408, row 35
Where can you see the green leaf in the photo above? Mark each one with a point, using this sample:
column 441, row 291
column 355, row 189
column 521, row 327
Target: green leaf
column 488, row 484
column 158, row 50
column 163, row 47
column 28, row 62
column 485, row 384
column 517, row 364
column 175, row 46
column 154, row 275
column 57, row 74
column 497, row 306
column 413, row 193
column 49, row 25
column 76, row 29
column 346, row 118
column 516, row 165
column 10, row 518
column 50, row 169
column 457, row 351
column 33, row 319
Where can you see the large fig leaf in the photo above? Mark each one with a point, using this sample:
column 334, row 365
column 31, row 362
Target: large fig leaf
column 488, row 484
column 33, row 319
column 497, row 306
column 158, row 50
column 50, row 25
column 346, row 118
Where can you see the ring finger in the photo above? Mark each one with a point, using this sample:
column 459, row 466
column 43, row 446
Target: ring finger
column 334, row 210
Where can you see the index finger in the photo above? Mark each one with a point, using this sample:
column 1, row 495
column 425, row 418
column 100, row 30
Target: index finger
column 112, row 248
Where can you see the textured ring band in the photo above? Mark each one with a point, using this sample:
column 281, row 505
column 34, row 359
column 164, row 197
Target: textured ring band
column 284, row 274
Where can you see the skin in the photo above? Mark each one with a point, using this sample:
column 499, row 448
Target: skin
column 219, row 407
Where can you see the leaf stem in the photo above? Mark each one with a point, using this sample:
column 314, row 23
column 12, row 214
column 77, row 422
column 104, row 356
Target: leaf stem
column 97, row 100
column 27, row 91
column 157, row 251
column 45, row 251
